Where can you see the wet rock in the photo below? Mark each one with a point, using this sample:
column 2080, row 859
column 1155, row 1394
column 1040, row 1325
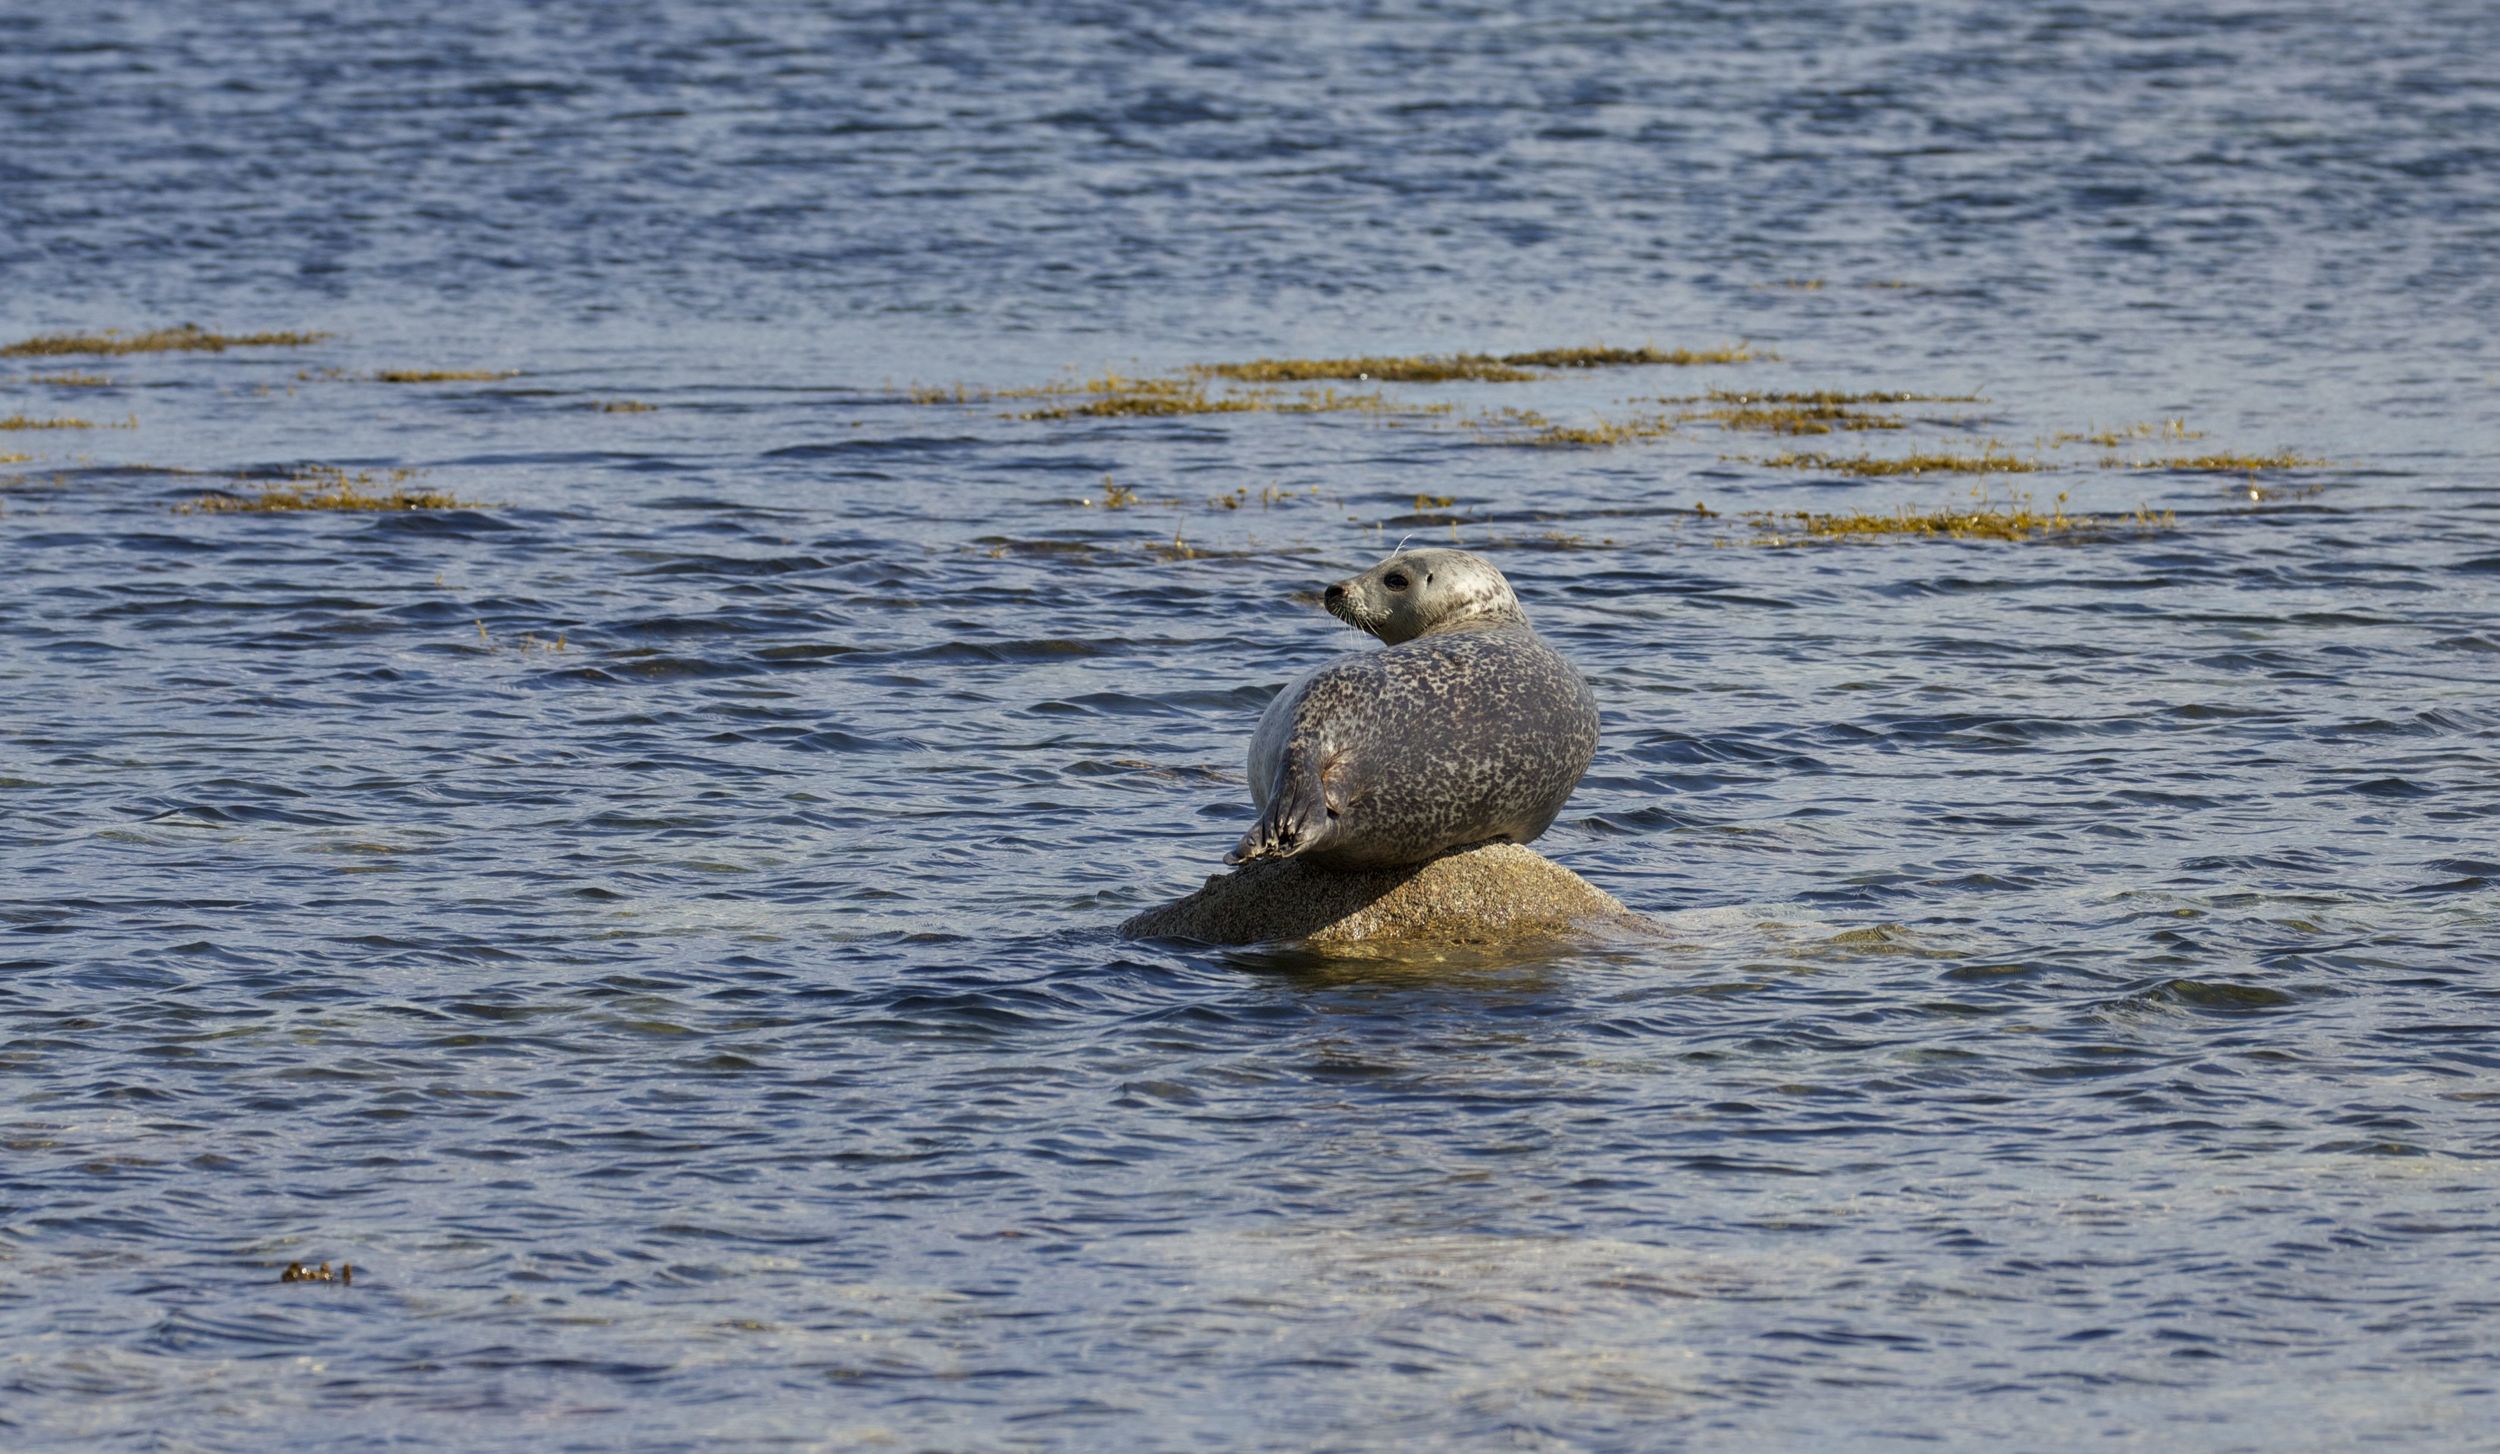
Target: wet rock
column 1490, row 894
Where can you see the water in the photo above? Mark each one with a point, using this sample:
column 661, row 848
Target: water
column 2076, row 1017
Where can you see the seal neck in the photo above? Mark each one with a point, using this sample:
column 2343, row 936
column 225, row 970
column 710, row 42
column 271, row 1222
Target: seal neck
column 1488, row 616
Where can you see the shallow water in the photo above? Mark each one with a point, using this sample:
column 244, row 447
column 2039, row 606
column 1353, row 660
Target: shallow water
column 656, row 923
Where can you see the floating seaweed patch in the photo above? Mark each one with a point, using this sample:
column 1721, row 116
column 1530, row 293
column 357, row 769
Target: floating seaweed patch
column 1505, row 425
column 444, row 376
column 1530, row 428
column 963, row 393
column 1431, row 509
column 1409, row 369
column 328, row 487
column 298, row 1272
column 21, row 421
column 1338, row 401
column 2257, row 494
column 1126, row 398
column 188, row 338
column 71, row 379
column 626, row 406
column 1268, row 497
column 2220, row 464
column 2015, row 518
column 2114, row 436
column 1837, row 397
column 1473, row 367
column 1994, row 459
column 1116, row 397
column 1599, row 434
column 1598, row 356
column 1794, row 418
column 1189, row 391
column 1805, row 411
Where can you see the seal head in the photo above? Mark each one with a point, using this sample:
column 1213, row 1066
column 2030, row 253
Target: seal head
column 1424, row 591
column 1465, row 728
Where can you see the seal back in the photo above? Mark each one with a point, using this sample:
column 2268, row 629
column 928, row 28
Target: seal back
column 1468, row 728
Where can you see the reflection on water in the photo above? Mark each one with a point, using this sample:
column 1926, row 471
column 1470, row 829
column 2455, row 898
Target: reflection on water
column 654, row 922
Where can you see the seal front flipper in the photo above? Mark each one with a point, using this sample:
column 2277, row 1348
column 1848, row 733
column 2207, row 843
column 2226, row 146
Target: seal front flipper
column 1301, row 810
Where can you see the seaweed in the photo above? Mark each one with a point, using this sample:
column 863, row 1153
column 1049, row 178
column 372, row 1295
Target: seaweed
column 1841, row 397
column 298, row 1272
column 1115, row 397
column 1186, row 393
column 185, row 338
column 1598, row 356
column 1994, row 459
column 1795, row 418
column 1148, row 397
column 1115, row 496
column 1409, row 369
column 2112, row 437
column 443, row 376
column 1530, row 428
column 328, row 487
column 2220, row 464
column 2015, row 518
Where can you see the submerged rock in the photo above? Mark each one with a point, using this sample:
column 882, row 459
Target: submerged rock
column 1492, row 893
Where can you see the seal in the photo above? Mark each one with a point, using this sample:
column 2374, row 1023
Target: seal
column 1464, row 728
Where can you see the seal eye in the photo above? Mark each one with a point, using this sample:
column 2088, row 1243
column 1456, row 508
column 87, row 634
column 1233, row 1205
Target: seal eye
column 1394, row 580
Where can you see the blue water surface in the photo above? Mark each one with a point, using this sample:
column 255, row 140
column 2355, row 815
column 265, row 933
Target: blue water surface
column 654, row 917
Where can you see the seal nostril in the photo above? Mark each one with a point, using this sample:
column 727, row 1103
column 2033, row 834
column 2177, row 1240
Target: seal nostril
column 1333, row 593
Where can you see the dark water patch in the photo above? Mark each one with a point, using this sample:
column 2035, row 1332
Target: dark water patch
column 736, row 566
column 1004, row 652
column 2390, row 787
column 903, row 445
column 650, row 664
column 2210, row 997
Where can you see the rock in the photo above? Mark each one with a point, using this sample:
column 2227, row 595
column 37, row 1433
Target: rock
column 1489, row 894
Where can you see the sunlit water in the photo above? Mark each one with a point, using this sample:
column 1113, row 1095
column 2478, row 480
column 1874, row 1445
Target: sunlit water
column 657, row 924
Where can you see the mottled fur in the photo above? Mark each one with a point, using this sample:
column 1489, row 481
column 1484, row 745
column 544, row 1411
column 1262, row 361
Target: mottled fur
column 1465, row 728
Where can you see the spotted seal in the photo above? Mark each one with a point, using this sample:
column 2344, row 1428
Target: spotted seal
column 1466, row 727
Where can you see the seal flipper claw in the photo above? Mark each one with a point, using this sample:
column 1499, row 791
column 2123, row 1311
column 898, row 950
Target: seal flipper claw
column 1297, row 819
